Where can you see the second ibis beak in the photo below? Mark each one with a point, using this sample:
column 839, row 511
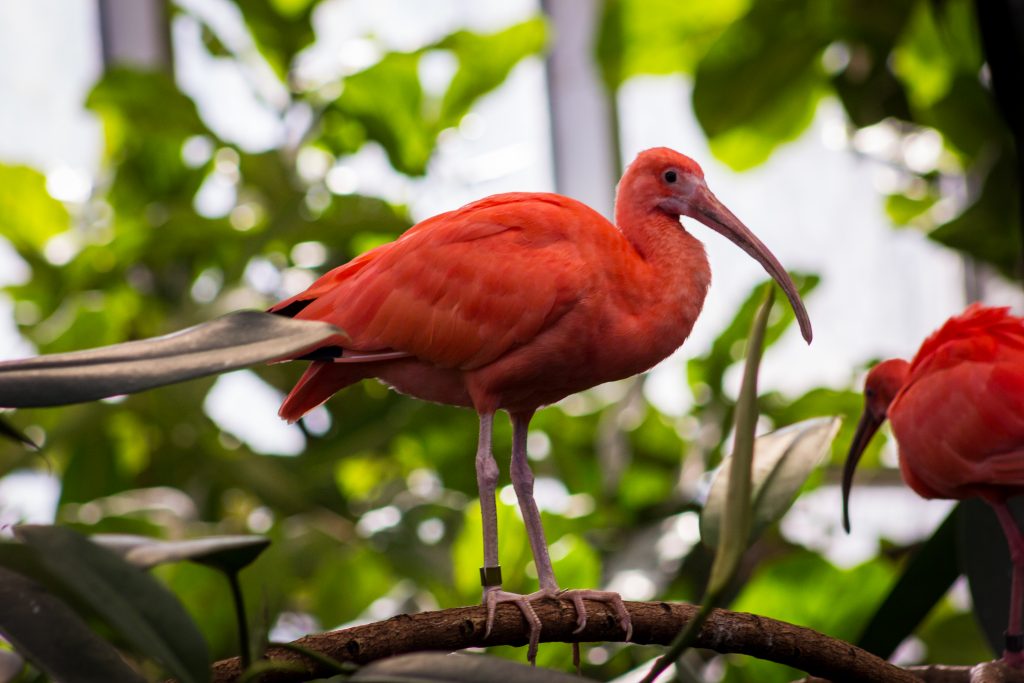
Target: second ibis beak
column 706, row 208
column 866, row 429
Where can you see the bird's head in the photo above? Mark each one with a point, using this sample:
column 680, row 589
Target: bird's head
column 880, row 388
column 665, row 180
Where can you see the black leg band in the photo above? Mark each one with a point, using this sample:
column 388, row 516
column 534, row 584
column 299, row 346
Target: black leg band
column 490, row 576
column 1014, row 642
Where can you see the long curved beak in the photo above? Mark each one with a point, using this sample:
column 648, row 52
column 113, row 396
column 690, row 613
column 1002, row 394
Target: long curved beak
column 706, row 208
column 866, row 429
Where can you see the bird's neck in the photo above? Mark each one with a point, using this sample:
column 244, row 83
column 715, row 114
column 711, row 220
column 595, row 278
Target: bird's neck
column 671, row 262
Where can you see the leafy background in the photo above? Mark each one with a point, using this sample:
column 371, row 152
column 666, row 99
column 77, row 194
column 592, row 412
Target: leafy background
column 378, row 515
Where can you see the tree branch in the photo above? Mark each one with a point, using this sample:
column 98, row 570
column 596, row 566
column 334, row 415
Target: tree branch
column 654, row 623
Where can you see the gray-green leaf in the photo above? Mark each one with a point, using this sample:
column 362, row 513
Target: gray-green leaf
column 783, row 460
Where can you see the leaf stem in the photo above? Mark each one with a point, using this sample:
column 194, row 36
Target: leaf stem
column 735, row 533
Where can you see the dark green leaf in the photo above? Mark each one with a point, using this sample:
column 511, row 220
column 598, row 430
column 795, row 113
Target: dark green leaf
column 988, row 229
column 759, row 84
column 229, row 554
column 230, row 342
column 144, row 613
column 54, row 638
column 985, row 559
column 924, row 581
column 433, row 667
column 281, row 28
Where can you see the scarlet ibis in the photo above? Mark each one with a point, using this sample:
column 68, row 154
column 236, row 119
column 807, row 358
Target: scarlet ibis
column 957, row 412
column 516, row 301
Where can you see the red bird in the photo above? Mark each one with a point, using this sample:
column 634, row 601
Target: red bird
column 957, row 412
column 516, row 301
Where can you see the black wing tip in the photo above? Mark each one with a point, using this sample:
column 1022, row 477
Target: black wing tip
column 324, row 353
column 292, row 309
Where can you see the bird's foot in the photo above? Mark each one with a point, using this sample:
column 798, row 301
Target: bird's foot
column 493, row 596
column 613, row 600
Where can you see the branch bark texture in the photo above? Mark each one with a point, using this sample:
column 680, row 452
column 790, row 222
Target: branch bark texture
column 654, row 623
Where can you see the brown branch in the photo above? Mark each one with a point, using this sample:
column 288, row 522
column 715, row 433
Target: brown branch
column 654, row 623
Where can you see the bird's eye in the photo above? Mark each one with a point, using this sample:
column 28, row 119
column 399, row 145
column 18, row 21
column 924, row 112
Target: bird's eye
column 670, row 176
column 869, row 393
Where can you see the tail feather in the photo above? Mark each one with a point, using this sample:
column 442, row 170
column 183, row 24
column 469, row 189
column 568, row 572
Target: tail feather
column 320, row 381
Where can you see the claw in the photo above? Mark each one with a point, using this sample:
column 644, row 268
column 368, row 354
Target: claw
column 492, row 597
column 614, row 600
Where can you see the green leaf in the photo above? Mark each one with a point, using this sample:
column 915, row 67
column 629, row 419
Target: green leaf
column 29, row 216
column 659, row 36
column 903, row 210
column 985, row 560
column 229, row 554
column 434, row 667
column 760, row 83
column 783, row 460
column 736, row 518
column 230, row 342
column 386, row 100
column 280, row 28
column 144, row 613
column 989, row 229
column 9, row 431
column 923, row 583
column 484, row 63
column 53, row 637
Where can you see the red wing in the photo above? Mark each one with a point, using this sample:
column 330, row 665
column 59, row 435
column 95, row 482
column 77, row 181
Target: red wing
column 964, row 425
column 464, row 288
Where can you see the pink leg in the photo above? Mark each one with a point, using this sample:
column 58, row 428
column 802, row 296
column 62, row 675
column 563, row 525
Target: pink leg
column 522, row 481
column 1013, row 654
column 490, row 573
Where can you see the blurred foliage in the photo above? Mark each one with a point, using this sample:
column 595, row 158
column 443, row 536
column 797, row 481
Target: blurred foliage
column 379, row 514
column 908, row 74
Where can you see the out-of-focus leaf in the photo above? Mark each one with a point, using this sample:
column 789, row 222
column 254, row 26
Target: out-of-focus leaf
column 985, row 560
column 142, row 612
column 386, row 103
column 784, row 589
column 149, row 99
column 659, row 36
column 281, row 28
column 392, row 114
column 988, row 230
column 783, row 460
column 710, row 368
column 865, row 84
column 53, row 637
column 9, row 431
column 903, row 210
column 925, row 580
column 29, row 216
column 433, row 667
column 229, row 554
column 484, row 62
column 738, row 498
column 230, row 342
column 760, row 82
column 845, row 404
column 11, row 663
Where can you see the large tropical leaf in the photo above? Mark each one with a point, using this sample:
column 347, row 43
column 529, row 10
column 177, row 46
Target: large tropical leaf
column 236, row 340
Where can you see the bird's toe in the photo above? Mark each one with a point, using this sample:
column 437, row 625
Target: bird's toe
column 493, row 597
